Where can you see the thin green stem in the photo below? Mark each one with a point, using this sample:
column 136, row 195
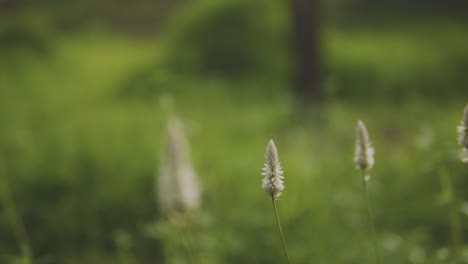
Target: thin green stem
column 178, row 223
column 280, row 230
column 370, row 215
column 454, row 216
column 187, row 228
column 16, row 221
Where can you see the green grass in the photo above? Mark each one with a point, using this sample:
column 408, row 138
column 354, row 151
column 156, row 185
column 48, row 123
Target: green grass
column 408, row 62
column 81, row 161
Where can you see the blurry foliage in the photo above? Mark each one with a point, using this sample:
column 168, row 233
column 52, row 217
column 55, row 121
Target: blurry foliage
column 81, row 163
column 427, row 61
column 23, row 36
column 244, row 41
column 138, row 17
column 364, row 12
column 418, row 8
column 228, row 40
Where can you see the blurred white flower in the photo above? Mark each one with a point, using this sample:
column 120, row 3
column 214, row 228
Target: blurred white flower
column 463, row 135
column 178, row 186
column 272, row 182
column 364, row 154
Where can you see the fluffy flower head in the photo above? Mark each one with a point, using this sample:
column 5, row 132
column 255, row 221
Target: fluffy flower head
column 272, row 182
column 364, row 154
column 178, row 186
column 463, row 135
column 463, row 130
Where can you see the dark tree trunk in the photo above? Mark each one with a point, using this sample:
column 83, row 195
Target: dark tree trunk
column 306, row 41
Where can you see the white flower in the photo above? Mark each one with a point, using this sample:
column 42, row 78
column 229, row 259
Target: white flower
column 463, row 130
column 364, row 155
column 272, row 182
column 178, row 186
column 463, row 135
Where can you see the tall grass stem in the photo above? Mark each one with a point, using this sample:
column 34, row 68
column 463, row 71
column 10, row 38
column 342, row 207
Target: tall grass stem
column 280, row 230
column 178, row 222
column 370, row 216
column 16, row 221
column 456, row 228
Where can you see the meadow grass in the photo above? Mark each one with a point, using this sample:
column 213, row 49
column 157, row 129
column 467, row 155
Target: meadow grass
column 82, row 160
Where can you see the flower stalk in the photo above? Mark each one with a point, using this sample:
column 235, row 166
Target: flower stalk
column 178, row 189
column 273, row 184
column 280, row 230
column 364, row 160
column 14, row 217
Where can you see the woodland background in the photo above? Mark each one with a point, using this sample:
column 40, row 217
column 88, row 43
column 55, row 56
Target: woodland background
column 86, row 88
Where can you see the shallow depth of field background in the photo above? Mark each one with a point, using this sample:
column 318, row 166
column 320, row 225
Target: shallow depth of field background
column 86, row 88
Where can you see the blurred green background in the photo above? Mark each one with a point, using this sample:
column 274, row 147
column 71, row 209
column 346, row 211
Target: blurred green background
column 86, row 88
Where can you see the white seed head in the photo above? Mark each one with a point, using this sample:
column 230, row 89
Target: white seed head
column 463, row 130
column 178, row 186
column 464, row 155
column 272, row 182
column 463, row 135
column 364, row 154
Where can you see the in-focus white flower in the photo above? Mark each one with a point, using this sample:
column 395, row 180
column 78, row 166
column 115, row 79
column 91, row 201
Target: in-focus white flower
column 463, row 135
column 178, row 186
column 272, row 182
column 364, row 154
